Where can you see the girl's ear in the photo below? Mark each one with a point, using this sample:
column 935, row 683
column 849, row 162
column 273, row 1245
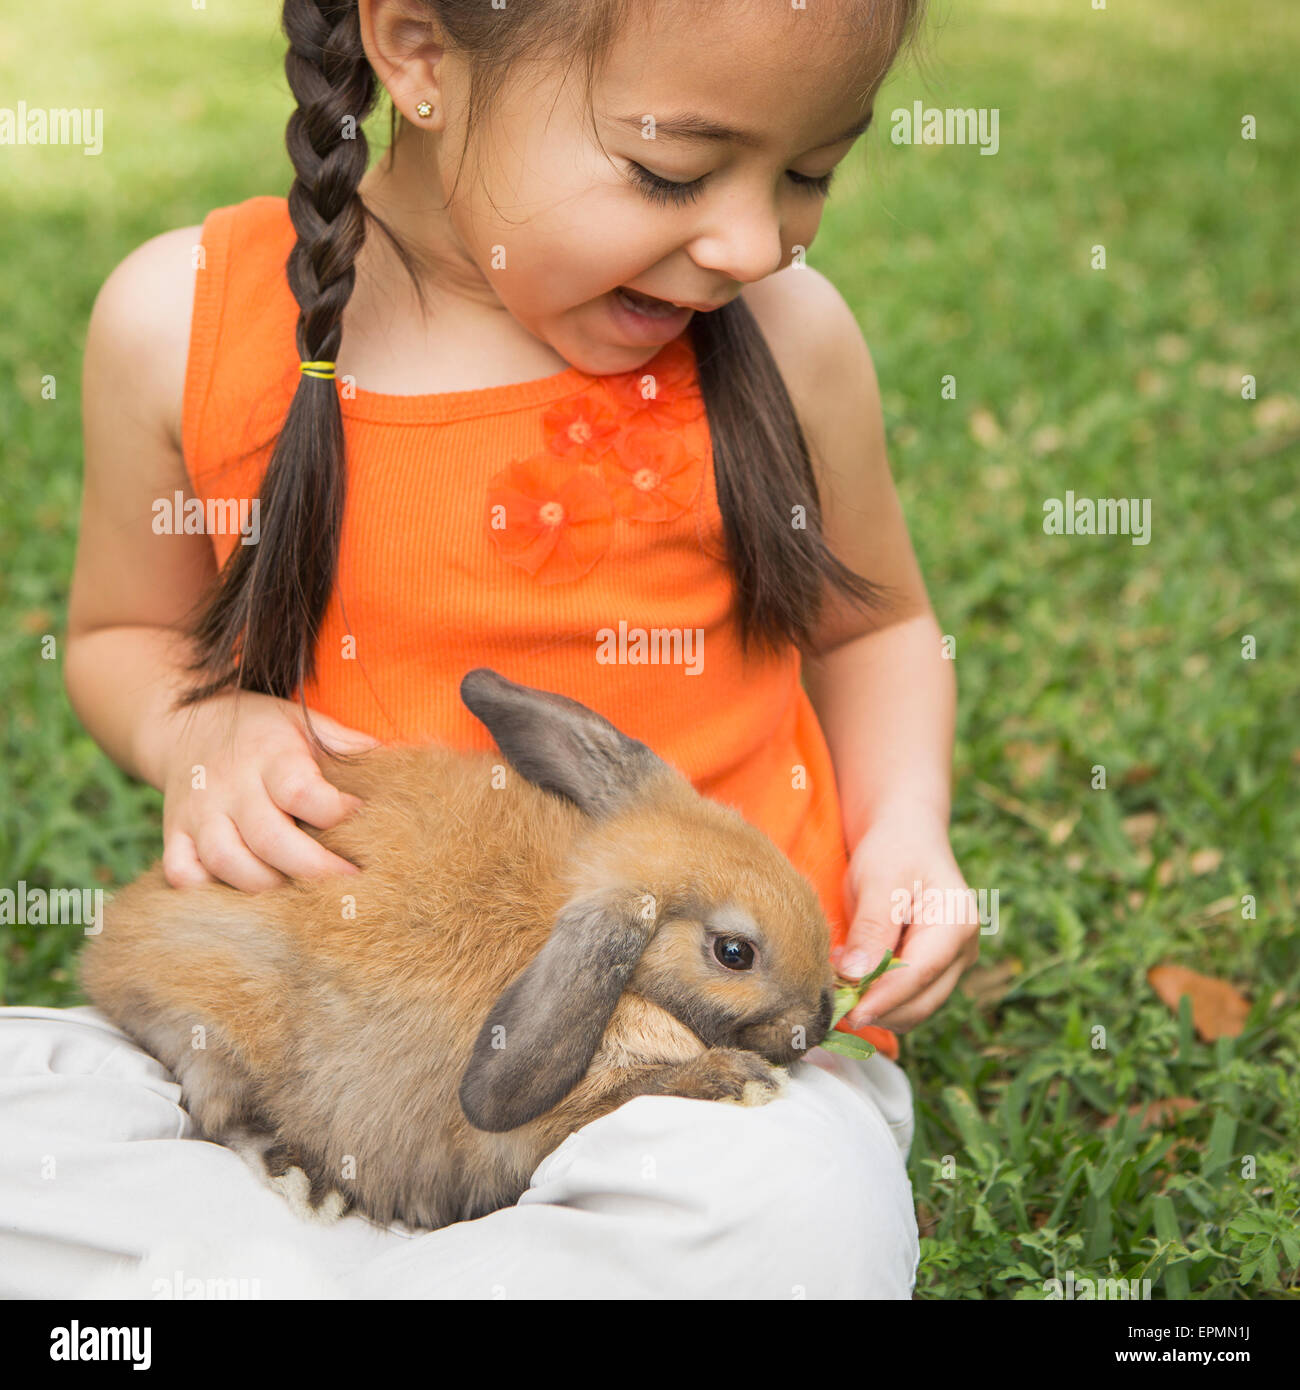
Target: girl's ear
column 559, row 744
column 543, row 1031
column 404, row 48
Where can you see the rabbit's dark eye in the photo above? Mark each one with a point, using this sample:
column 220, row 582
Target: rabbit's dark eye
column 734, row 953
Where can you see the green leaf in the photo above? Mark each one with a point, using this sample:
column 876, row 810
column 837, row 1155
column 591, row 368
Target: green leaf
column 847, row 1045
column 1186, row 1032
column 1175, row 1278
column 1218, row 1152
column 970, row 1124
column 982, row 1220
column 847, row 996
column 1098, row 1223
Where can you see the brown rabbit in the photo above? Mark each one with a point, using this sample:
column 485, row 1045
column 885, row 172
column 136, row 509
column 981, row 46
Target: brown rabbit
column 519, row 955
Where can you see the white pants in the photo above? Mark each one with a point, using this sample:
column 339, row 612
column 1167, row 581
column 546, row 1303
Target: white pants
column 105, row 1192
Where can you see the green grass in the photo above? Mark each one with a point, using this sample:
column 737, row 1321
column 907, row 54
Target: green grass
column 1119, row 128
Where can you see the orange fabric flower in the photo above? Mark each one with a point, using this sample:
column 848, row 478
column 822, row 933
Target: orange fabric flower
column 663, row 394
column 583, row 427
column 553, row 521
column 652, row 476
column 615, row 448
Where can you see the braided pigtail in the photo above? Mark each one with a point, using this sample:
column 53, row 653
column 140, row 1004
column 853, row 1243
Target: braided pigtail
column 258, row 630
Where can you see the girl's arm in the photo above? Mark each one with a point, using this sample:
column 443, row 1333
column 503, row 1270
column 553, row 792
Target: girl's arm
column 880, row 682
column 131, row 592
column 131, row 588
column 898, row 675
column 886, row 701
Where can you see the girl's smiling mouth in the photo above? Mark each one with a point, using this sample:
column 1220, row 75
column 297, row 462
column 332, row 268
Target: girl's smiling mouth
column 646, row 319
column 649, row 304
column 649, row 319
column 639, row 298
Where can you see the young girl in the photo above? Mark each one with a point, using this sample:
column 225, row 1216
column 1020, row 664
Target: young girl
column 550, row 389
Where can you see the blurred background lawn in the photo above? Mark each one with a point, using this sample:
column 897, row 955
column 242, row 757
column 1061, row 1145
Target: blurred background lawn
column 1038, row 1152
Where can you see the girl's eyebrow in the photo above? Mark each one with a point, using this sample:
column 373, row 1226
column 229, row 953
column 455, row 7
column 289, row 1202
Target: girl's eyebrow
column 688, row 125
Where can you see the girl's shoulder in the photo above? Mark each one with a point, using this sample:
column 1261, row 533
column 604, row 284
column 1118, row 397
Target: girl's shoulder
column 827, row 368
column 142, row 321
column 140, row 325
column 819, row 350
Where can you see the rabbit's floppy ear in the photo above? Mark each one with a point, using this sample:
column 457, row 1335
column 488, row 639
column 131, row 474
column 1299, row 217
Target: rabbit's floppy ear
column 558, row 744
column 543, row 1031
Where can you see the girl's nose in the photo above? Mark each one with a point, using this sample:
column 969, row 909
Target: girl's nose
column 742, row 241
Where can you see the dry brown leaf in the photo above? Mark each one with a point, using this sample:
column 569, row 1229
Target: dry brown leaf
column 1166, row 873
column 1156, row 1113
column 1273, row 412
column 1046, row 440
column 1030, row 760
column 1138, row 774
column 986, row 984
column 1170, row 347
column 1205, row 861
column 997, row 477
column 1144, row 583
column 1220, row 907
column 1219, row 1009
column 1004, row 802
column 36, row 620
column 1151, row 383
column 1141, row 827
column 1132, row 639
column 1063, row 829
column 984, row 427
column 1166, row 1111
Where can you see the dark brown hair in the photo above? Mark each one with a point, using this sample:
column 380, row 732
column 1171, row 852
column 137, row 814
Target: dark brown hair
column 257, row 629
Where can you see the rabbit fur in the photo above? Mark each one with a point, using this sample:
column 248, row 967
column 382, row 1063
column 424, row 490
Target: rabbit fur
column 526, row 947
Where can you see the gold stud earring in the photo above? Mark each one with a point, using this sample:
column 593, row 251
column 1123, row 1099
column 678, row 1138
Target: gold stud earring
column 424, row 110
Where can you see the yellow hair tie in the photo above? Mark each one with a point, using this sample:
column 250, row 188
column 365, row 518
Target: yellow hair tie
column 323, row 371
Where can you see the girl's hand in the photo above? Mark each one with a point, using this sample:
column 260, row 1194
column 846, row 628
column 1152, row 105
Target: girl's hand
column 258, row 775
column 904, row 848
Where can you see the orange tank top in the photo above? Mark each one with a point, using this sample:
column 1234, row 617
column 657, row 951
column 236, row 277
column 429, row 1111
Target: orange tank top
column 564, row 531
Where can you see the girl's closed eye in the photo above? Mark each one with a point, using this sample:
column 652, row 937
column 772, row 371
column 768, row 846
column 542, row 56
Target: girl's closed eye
column 661, row 190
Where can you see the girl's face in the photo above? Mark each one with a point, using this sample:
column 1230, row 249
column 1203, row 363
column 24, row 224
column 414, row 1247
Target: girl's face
column 720, row 126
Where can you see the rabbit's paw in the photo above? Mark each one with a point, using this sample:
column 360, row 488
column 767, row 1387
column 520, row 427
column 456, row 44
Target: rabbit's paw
column 306, row 1197
column 286, row 1173
column 258, row 1147
column 731, row 1075
column 760, row 1091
